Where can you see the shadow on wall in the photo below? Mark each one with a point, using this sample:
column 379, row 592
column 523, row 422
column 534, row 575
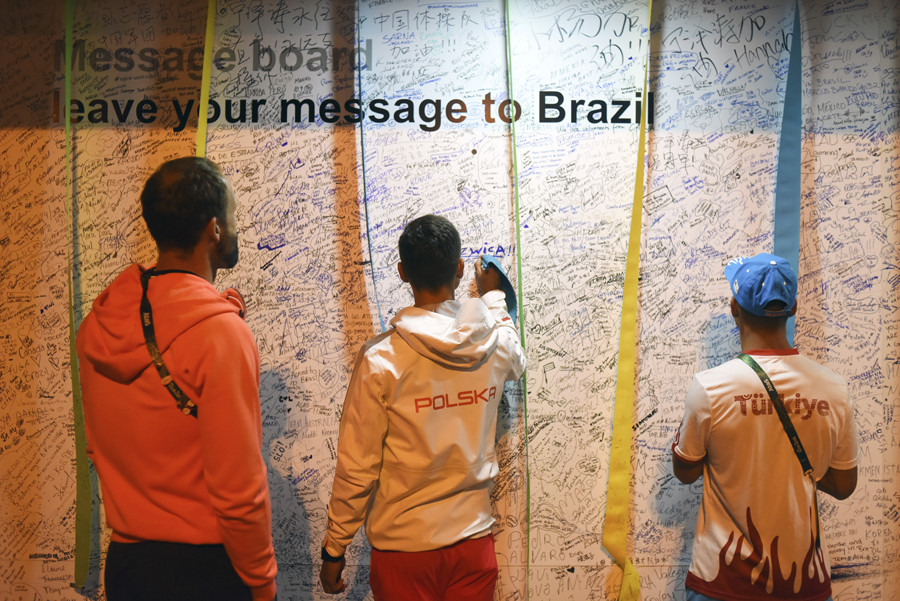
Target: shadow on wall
column 354, row 259
column 721, row 342
column 676, row 504
column 296, row 485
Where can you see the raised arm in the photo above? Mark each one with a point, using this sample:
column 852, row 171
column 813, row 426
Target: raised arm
column 840, row 484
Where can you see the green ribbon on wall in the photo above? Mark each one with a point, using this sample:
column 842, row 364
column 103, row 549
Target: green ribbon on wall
column 618, row 496
column 83, row 492
column 521, row 298
column 206, row 78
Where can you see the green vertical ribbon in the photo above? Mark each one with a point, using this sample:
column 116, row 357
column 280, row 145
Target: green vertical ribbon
column 521, row 299
column 618, row 497
column 83, row 493
column 206, row 78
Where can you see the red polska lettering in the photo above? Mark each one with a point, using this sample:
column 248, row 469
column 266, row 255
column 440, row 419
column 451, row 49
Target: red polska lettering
column 462, row 398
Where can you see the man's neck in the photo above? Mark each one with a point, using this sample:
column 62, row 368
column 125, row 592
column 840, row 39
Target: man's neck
column 195, row 262
column 424, row 298
column 753, row 340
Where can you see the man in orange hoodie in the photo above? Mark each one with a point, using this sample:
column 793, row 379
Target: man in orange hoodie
column 170, row 381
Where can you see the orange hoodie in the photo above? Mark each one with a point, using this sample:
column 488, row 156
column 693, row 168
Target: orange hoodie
column 164, row 475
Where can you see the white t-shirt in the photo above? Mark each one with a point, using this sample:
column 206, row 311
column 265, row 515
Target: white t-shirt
column 756, row 525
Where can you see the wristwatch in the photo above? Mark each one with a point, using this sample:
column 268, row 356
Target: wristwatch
column 330, row 558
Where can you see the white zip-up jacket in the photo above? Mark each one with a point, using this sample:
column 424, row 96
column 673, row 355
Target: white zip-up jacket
column 416, row 443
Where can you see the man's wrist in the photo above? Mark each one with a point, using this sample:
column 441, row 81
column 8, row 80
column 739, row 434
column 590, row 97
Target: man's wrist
column 495, row 296
column 326, row 556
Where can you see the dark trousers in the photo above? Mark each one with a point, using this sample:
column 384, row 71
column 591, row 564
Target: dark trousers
column 158, row 571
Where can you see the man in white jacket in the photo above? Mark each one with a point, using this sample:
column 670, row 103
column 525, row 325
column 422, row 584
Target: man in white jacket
column 416, row 446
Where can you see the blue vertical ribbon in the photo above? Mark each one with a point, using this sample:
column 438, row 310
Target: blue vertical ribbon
column 787, row 181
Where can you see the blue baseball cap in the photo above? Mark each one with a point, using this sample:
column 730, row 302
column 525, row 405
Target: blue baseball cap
column 757, row 281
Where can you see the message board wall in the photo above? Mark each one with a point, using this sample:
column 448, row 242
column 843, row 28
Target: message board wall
column 339, row 122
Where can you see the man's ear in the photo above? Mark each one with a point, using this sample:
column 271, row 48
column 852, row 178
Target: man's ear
column 735, row 308
column 794, row 310
column 460, row 270
column 213, row 230
column 401, row 272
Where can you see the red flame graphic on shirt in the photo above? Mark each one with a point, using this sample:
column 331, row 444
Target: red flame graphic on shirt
column 749, row 576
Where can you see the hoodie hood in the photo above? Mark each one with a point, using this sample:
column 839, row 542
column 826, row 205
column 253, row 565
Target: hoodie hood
column 111, row 337
column 460, row 335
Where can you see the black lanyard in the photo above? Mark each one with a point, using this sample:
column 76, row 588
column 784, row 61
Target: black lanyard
column 789, row 429
column 185, row 405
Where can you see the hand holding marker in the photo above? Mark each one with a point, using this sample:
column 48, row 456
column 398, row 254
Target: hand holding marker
column 491, row 262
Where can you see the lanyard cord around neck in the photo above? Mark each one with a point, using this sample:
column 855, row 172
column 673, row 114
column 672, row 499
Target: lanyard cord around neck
column 185, row 404
column 789, row 429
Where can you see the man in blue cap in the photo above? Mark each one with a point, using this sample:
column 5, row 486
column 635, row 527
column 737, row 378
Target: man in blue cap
column 765, row 431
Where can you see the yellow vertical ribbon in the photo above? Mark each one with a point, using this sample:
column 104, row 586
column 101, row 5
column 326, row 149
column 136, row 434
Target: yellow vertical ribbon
column 618, row 496
column 203, row 107
column 83, row 491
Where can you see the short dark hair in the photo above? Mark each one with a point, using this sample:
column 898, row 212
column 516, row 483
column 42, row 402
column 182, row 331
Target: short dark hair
column 762, row 322
column 430, row 249
column 180, row 198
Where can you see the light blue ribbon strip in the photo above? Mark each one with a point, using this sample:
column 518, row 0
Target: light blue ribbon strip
column 787, row 182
